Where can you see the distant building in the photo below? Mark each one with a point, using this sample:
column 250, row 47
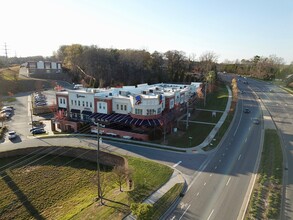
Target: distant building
column 40, row 67
column 130, row 111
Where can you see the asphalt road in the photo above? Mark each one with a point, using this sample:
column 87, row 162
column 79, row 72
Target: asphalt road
column 219, row 191
column 280, row 105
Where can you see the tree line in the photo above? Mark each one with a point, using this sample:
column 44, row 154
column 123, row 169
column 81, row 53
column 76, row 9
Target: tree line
column 261, row 67
column 102, row 67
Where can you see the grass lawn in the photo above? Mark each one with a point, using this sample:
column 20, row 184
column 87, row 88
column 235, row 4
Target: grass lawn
column 205, row 116
column 162, row 205
column 198, row 132
column 265, row 201
column 216, row 100
column 64, row 188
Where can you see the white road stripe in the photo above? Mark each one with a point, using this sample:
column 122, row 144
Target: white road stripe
column 245, row 140
column 239, row 157
column 210, row 215
column 175, row 165
column 228, row 181
column 184, row 212
column 211, row 174
column 205, row 183
column 197, row 194
column 216, row 167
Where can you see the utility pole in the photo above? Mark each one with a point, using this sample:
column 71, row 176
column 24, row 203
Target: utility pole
column 187, row 114
column 5, row 48
column 6, row 53
column 205, row 93
column 98, row 162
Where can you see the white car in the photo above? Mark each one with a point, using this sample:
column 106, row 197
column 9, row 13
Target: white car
column 12, row 135
column 255, row 121
column 10, row 108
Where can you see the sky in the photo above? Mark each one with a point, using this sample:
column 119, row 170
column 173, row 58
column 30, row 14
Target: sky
column 232, row 29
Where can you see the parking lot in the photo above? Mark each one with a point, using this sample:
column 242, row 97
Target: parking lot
column 21, row 117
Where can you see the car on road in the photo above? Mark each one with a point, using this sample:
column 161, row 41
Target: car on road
column 255, row 121
column 38, row 131
column 12, row 135
column 246, row 110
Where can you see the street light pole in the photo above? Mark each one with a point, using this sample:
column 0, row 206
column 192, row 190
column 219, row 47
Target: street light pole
column 98, row 162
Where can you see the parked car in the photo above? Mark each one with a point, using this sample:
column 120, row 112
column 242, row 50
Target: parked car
column 38, row 131
column 6, row 110
column 12, row 135
column 34, row 128
column 7, row 107
column 246, row 110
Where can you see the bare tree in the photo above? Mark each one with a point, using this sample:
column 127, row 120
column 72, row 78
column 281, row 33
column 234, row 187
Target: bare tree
column 121, row 175
column 207, row 60
column 234, row 88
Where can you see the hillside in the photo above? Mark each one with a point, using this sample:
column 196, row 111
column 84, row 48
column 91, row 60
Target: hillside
column 11, row 82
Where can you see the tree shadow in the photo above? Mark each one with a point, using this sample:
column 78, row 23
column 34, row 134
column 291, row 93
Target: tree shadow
column 21, row 196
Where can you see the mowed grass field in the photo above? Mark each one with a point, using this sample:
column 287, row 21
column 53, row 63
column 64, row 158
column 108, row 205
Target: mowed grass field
column 65, row 188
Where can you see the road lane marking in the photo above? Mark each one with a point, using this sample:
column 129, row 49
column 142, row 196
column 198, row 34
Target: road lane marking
column 223, row 154
column 197, row 194
column 220, row 161
column 249, row 128
column 205, row 183
column 215, row 167
column 245, row 140
column 173, row 217
column 210, row 215
column 228, row 181
column 184, row 212
column 239, row 157
column 175, row 165
column 239, row 120
column 211, row 174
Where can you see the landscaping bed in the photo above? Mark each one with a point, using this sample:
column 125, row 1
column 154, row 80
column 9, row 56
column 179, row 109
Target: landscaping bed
column 265, row 201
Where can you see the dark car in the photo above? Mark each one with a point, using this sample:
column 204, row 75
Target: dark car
column 35, row 128
column 38, row 131
column 246, row 110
